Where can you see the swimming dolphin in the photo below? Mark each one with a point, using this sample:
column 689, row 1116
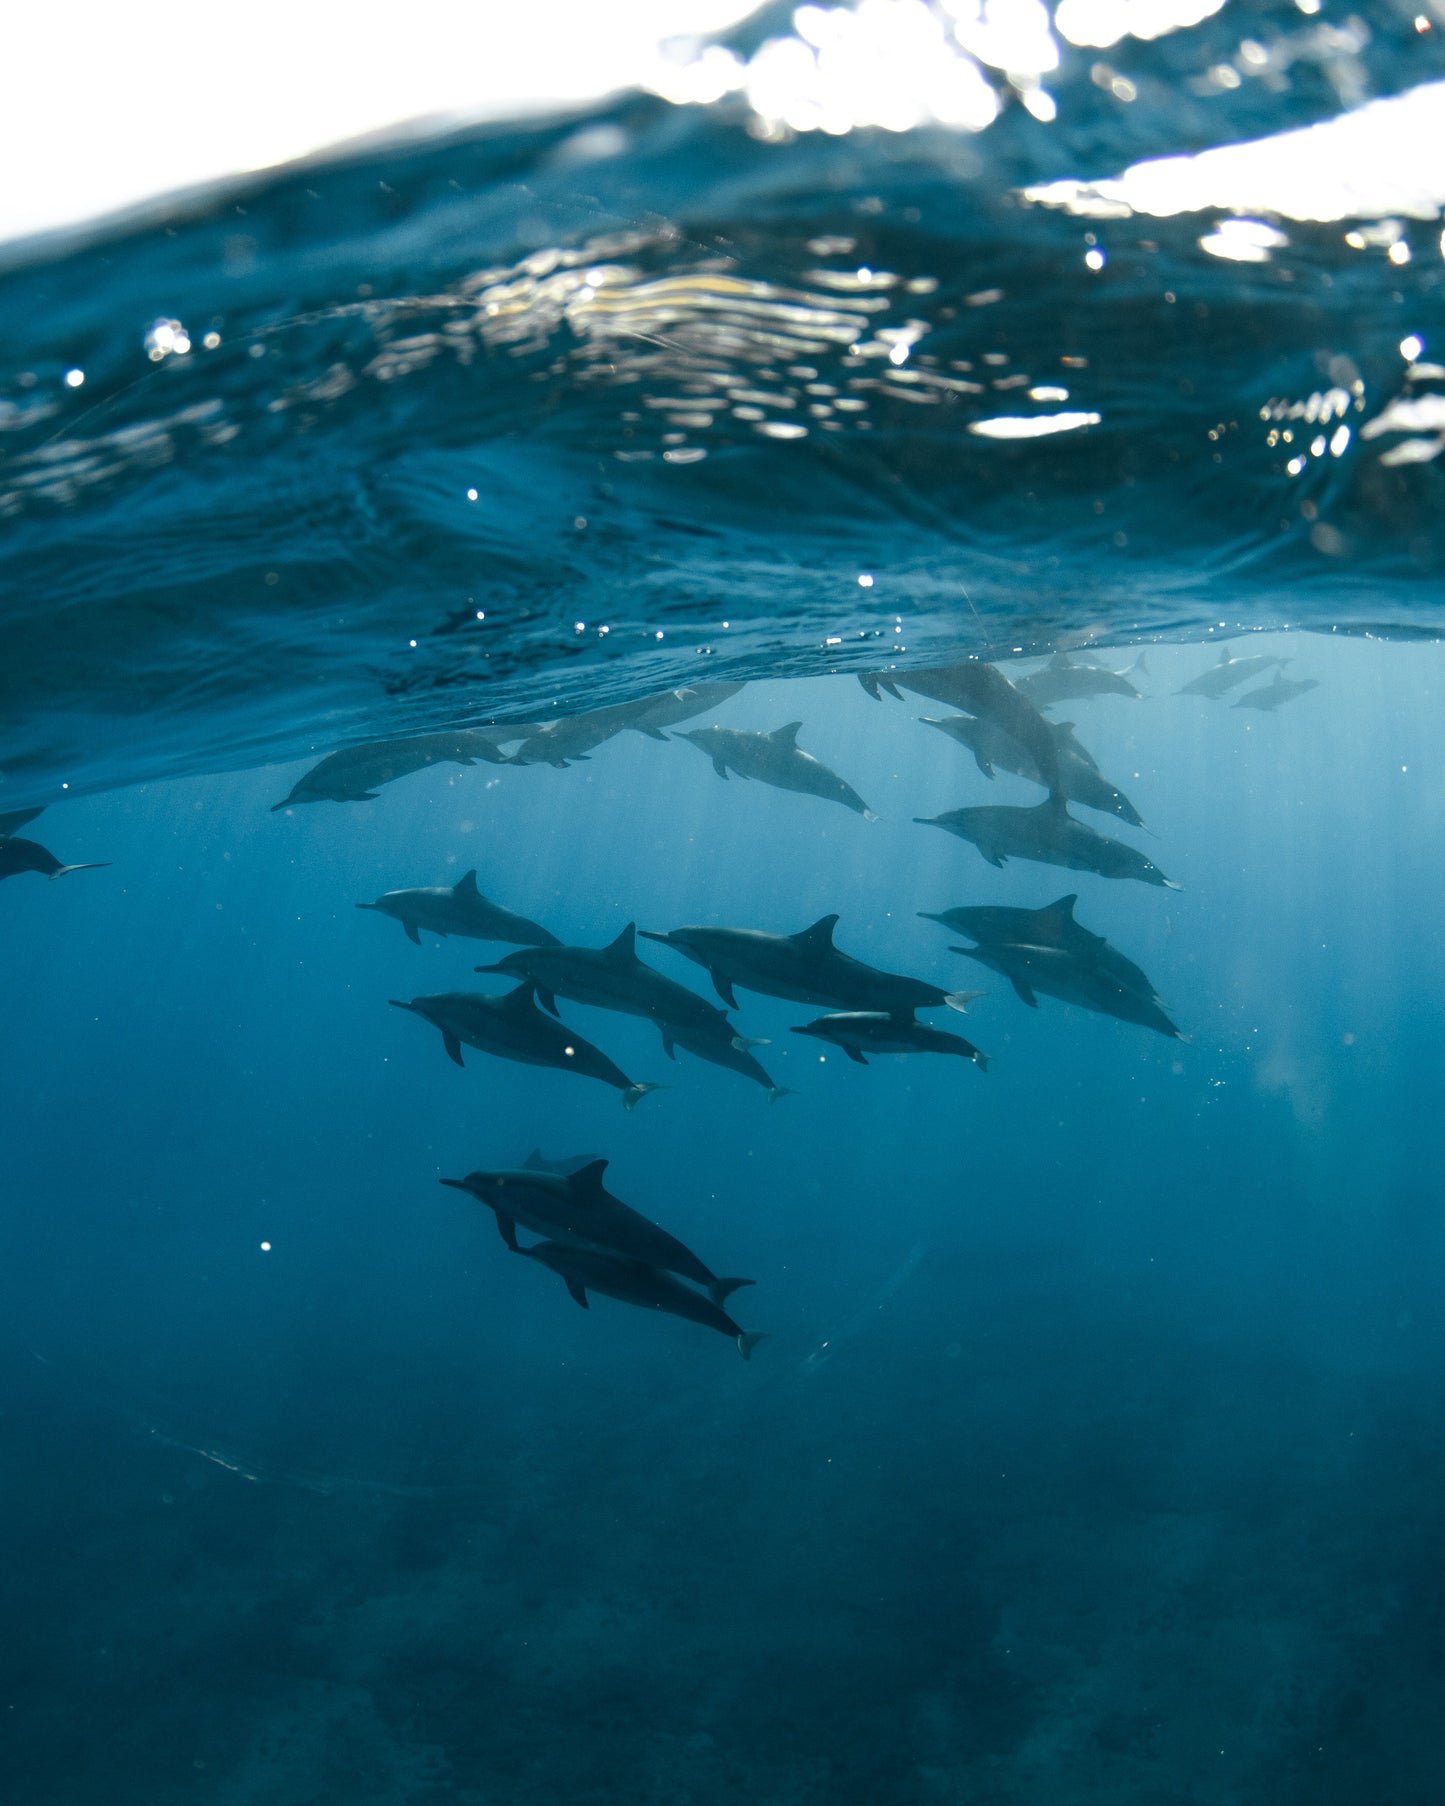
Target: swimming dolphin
column 1282, row 689
column 458, row 908
column 611, row 978
column 513, row 1028
column 733, row 1052
column 354, row 774
column 1061, row 680
column 1052, row 926
column 982, row 690
column 1048, row 834
column 633, row 1282
column 802, row 968
column 775, row 759
column 1228, row 674
column 1080, row 779
column 1069, row 974
column 18, row 855
column 879, row 1031
column 577, row 1208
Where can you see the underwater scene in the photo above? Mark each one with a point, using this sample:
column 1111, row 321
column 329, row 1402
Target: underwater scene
column 721, row 831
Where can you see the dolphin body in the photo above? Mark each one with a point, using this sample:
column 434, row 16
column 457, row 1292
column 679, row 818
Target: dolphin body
column 634, row 1282
column 1228, row 674
column 982, row 690
column 1080, row 779
column 1069, row 974
column 576, row 1208
column 572, row 737
column 801, row 968
column 1051, row 927
column 1061, row 680
column 775, row 759
column 356, row 773
column 730, row 1051
column 458, row 908
column 1283, row 689
column 513, row 1028
column 879, row 1031
column 20, row 855
column 1048, row 834
column 612, row 978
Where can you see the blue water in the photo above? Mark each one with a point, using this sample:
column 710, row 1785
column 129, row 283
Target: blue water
column 1093, row 1452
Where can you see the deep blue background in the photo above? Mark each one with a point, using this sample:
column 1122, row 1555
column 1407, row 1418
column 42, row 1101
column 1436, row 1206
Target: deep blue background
column 1118, row 1477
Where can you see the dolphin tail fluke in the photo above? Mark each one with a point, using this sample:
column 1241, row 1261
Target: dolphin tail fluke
column 92, row 865
column 777, row 1091
column 980, row 1060
column 722, row 1289
column 747, row 1343
column 960, row 1000
column 634, row 1094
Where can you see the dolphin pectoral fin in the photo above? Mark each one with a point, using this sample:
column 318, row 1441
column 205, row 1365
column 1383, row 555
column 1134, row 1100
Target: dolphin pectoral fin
column 720, row 768
column 855, row 1055
column 411, row 933
column 548, row 1002
column 722, row 1289
column 994, row 858
column 870, row 682
column 579, row 1292
column 668, row 1045
column 1025, row 992
column 508, row 1231
column 723, row 986
column 452, row 1045
column 747, row 1343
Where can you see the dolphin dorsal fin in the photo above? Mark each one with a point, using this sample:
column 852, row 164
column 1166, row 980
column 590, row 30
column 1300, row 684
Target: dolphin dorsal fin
column 586, row 1182
column 788, row 735
column 624, row 948
column 522, row 1001
column 534, row 1163
column 1059, row 662
column 466, row 885
column 1062, row 911
column 820, row 935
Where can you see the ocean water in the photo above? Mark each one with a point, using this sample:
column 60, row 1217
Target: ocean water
column 1092, row 1454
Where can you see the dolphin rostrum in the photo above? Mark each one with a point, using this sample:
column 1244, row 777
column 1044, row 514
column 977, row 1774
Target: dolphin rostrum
column 802, row 968
column 1228, row 674
column 1282, row 689
column 879, row 1031
column 982, row 690
column 634, row 1282
column 577, row 1208
column 458, row 908
column 355, row 774
column 513, row 1028
column 1048, row 834
column 611, row 978
column 1080, row 779
column 19, row 855
column 775, row 759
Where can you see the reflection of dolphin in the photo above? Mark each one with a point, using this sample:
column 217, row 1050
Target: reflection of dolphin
column 1080, row 779
column 876, row 1031
column 1227, row 674
column 775, row 759
column 803, row 968
column 513, row 1028
column 458, row 908
column 633, row 1282
column 577, row 1208
column 1283, row 689
column 982, row 690
column 611, row 978
column 354, row 774
column 1061, row 680
column 1049, row 834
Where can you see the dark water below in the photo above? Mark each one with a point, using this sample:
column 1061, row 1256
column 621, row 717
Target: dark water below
column 1093, row 1453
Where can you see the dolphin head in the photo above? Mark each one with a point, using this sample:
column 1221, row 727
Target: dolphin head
column 513, row 964
column 487, row 1188
column 816, row 1030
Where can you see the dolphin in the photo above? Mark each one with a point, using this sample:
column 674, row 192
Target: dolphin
column 611, row 978
column 733, row 1052
column 802, row 968
column 354, row 774
column 576, row 1208
column 18, row 855
column 1053, row 926
column 1282, row 689
column 568, row 737
column 775, row 759
column 634, row 1282
column 1069, row 973
column 982, row 690
column 1228, row 674
column 458, row 908
column 1048, row 834
column 1080, row 779
column 513, row 1028
column 1061, row 680
column 881, row 1031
